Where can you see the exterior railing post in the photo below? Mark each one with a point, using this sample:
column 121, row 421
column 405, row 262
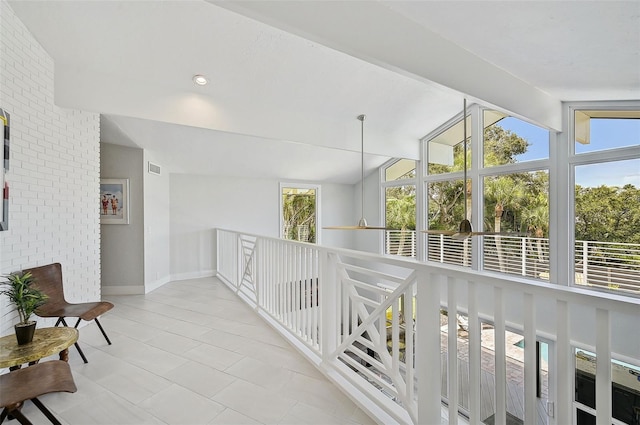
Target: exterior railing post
column 413, row 244
column 523, row 247
column 585, row 261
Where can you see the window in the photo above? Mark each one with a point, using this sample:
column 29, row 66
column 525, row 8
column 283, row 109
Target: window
column 399, row 185
column 445, row 151
column 298, row 212
column 625, row 388
column 606, row 171
column 509, row 140
column 516, row 202
column 597, row 130
column 446, row 192
column 512, row 175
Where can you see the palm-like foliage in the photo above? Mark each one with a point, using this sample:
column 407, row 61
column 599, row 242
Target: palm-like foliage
column 25, row 298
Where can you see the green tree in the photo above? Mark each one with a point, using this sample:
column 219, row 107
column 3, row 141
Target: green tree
column 446, row 209
column 299, row 216
column 400, row 212
column 607, row 213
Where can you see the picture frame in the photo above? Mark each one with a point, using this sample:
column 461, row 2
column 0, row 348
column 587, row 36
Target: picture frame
column 114, row 201
column 4, row 167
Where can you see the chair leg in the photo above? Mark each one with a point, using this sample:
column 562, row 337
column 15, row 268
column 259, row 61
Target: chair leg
column 84, row 359
column 17, row 414
column 46, row 411
column 103, row 332
column 3, row 415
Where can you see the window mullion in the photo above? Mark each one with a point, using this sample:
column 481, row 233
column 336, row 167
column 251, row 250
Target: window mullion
column 477, row 198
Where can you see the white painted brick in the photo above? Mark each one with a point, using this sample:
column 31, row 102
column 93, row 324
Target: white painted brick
column 54, row 175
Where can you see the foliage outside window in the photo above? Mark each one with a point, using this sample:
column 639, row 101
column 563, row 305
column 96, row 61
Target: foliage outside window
column 515, row 194
column 299, row 214
column 606, row 162
column 400, row 207
column 508, row 140
column 516, row 204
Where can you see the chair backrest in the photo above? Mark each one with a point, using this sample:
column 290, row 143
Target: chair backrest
column 49, row 280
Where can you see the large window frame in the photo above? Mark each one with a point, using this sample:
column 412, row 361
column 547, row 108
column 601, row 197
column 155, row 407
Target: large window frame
column 385, row 184
column 477, row 172
column 574, row 160
column 560, row 164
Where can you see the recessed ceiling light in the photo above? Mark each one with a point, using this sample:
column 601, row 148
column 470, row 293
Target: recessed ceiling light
column 200, row 80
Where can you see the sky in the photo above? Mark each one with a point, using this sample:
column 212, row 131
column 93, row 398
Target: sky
column 605, row 134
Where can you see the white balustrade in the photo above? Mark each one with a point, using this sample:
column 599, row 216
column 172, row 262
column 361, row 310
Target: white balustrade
column 374, row 324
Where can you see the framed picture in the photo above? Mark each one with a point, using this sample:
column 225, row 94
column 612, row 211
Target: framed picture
column 114, row 201
column 4, row 167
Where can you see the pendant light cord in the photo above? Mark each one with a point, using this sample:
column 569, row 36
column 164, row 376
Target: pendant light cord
column 361, row 118
column 464, row 126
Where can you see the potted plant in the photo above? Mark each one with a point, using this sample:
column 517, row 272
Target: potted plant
column 26, row 300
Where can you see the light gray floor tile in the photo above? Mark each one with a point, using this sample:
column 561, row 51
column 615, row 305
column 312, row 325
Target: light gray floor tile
column 108, row 409
column 258, row 403
column 192, row 353
column 213, row 356
column 321, row 394
column 178, row 405
column 201, row 379
column 264, row 374
column 231, row 417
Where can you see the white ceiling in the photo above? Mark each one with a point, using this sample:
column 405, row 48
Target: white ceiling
column 288, row 78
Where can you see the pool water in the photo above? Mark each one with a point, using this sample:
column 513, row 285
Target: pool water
column 544, row 349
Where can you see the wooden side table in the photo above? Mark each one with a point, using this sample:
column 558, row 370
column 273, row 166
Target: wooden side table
column 46, row 342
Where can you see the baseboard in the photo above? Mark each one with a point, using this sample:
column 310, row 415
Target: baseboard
column 156, row 284
column 193, row 275
column 123, row 290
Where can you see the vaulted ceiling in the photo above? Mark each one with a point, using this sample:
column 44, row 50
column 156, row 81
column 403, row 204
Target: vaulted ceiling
column 288, row 78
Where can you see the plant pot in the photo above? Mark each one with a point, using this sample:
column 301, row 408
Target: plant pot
column 24, row 332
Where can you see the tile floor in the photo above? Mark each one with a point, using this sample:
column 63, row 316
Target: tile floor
column 191, row 352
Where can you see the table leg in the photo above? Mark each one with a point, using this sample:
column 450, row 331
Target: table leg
column 64, row 355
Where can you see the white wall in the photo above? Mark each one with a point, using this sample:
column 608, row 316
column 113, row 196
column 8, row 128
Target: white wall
column 156, row 225
column 369, row 240
column 54, row 172
column 122, row 245
column 337, row 209
column 200, row 203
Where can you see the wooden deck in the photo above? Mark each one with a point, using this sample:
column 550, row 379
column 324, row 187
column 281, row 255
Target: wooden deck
column 515, row 388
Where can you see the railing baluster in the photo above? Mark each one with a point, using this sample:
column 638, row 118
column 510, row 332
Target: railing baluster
column 603, row 367
column 564, row 365
column 475, row 352
column 530, row 361
column 452, row 349
column 428, row 363
column 500, row 357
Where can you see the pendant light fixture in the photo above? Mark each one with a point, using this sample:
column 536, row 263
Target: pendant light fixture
column 362, row 224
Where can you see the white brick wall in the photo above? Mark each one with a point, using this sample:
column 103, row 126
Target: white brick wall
column 54, row 172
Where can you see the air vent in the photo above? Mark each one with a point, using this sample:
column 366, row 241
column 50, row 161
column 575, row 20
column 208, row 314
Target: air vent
column 154, row 168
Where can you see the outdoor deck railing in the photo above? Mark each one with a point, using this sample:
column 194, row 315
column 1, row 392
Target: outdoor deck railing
column 373, row 325
column 608, row 265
